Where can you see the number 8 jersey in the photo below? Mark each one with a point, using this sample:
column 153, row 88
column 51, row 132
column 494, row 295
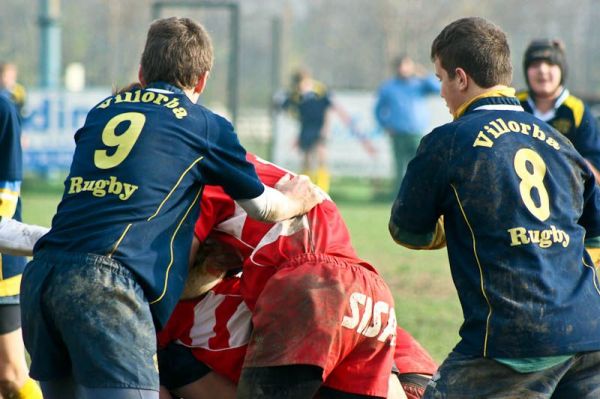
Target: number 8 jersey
column 140, row 163
column 517, row 200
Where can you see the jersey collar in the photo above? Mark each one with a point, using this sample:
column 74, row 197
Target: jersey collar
column 546, row 116
column 498, row 99
column 165, row 87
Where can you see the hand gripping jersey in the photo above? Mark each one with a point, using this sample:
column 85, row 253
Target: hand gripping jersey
column 140, row 163
column 517, row 200
column 264, row 246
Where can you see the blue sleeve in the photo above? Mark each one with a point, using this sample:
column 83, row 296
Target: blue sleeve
column 417, row 207
column 590, row 218
column 586, row 139
column 430, row 85
column 10, row 142
column 382, row 111
column 226, row 165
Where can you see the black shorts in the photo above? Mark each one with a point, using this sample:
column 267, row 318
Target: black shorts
column 10, row 318
column 179, row 367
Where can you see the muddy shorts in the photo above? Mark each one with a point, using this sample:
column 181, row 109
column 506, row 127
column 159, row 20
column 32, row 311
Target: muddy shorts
column 327, row 312
column 463, row 376
column 84, row 316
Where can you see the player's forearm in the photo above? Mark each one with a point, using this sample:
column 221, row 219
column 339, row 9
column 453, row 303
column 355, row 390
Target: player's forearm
column 435, row 239
column 18, row 238
column 273, row 206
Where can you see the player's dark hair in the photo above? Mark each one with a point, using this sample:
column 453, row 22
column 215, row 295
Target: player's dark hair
column 177, row 51
column 549, row 50
column 477, row 46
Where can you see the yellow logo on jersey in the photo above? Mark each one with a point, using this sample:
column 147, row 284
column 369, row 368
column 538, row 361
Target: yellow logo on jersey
column 562, row 125
column 99, row 188
column 146, row 97
column 498, row 127
column 543, row 238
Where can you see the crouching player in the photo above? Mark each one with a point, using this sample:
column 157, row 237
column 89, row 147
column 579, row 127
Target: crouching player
column 203, row 345
column 323, row 319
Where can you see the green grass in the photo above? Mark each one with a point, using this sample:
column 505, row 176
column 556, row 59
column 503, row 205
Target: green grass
column 426, row 302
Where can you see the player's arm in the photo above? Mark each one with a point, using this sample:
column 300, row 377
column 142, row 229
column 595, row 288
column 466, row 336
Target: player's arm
column 586, row 141
column 416, row 221
column 590, row 219
column 18, row 238
column 228, row 167
column 292, row 197
column 383, row 113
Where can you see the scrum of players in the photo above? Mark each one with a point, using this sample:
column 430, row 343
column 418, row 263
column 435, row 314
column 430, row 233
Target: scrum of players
column 273, row 301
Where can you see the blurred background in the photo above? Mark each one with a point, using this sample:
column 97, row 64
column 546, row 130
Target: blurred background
column 72, row 53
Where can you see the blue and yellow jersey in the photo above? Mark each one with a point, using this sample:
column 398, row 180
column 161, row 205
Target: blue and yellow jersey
column 11, row 174
column 516, row 200
column 573, row 118
column 140, row 163
column 311, row 107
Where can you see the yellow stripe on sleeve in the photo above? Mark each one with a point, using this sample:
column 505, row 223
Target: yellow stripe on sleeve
column 577, row 107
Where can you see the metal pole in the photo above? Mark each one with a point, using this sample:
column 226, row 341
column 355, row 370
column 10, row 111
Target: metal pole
column 276, row 39
column 234, row 66
column 50, row 43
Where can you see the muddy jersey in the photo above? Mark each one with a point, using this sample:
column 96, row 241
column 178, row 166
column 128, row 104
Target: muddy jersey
column 573, row 118
column 215, row 326
column 140, row 163
column 266, row 246
column 517, row 200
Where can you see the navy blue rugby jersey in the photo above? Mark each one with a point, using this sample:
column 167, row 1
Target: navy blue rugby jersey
column 11, row 175
column 311, row 107
column 517, row 200
column 140, row 163
column 573, row 118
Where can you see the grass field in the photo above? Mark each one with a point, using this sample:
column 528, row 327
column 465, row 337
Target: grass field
column 426, row 302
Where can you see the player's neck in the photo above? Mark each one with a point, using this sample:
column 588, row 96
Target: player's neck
column 192, row 95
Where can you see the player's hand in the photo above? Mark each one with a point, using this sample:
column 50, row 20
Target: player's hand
column 301, row 189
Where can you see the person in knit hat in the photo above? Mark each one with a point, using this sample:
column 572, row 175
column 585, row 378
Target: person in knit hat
column 545, row 68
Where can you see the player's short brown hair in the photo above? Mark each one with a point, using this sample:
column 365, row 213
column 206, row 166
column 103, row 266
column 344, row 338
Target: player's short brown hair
column 177, row 51
column 477, row 46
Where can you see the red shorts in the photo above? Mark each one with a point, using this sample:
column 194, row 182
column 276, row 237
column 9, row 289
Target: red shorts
column 323, row 311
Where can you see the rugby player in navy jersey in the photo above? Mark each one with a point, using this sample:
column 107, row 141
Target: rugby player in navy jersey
column 14, row 380
column 113, row 265
column 517, row 200
column 545, row 68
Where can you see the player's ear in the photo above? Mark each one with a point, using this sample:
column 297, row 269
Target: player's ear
column 462, row 79
column 141, row 77
column 202, row 79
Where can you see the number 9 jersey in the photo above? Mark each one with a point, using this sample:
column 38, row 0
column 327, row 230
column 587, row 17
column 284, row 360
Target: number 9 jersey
column 516, row 200
column 139, row 167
